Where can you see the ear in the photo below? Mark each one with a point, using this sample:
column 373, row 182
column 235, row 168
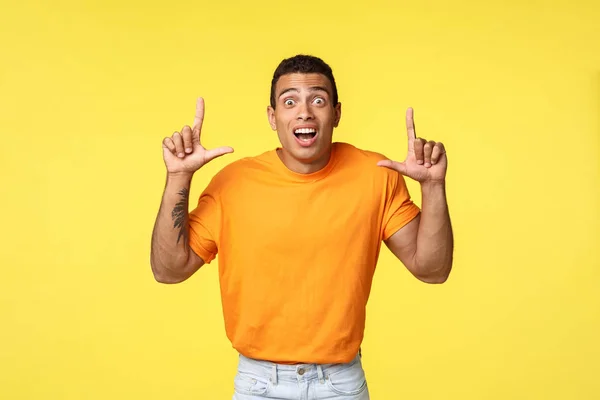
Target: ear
column 271, row 116
column 338, row 114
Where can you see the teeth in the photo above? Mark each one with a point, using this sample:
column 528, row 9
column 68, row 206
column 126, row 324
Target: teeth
column 305, row 130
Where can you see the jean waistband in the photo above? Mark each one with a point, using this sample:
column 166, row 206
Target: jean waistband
column 275, row 371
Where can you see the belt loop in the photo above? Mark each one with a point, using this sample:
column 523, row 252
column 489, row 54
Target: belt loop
column 320, row 373
column 274, row 374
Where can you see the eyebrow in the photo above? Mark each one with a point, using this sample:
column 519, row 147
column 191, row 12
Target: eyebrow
column 312, row 89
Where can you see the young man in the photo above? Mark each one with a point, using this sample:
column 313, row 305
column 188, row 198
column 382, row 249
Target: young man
column 298, row 230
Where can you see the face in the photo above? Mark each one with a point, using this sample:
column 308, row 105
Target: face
column 304, row 118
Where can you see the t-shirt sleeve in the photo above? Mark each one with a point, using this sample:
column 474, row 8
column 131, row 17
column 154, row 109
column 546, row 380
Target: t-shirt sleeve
column 399, row 207
column 204, row 223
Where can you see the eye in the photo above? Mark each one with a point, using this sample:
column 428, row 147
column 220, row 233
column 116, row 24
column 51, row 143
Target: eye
column 319, row 101
column 289, row 102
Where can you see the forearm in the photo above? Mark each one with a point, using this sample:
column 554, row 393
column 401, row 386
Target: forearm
column 435, row 242
column 170, row 250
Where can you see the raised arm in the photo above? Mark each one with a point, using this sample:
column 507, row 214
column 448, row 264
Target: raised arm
column 172, row 260
column 426, row 244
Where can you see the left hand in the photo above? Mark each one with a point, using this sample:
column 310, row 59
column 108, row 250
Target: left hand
column 425, row 162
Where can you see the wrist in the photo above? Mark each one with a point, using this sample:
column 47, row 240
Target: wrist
column 182, row 177
column 434, row 185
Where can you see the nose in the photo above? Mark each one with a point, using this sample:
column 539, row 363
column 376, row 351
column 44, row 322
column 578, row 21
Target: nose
column 305, row 112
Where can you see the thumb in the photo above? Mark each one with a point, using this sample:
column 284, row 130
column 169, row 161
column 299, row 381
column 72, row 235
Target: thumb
column 218, row 152
column 395, row 165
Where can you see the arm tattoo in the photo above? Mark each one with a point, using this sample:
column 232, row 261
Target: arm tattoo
column 180, row 216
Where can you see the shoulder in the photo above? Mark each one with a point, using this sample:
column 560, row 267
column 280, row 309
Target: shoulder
column 351, row 156
column 243, row 166
column 241, row 169
column 362, row 164
column 349, row 151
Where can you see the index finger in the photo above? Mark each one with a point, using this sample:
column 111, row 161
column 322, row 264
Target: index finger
column 410, row 126
column 199, row 118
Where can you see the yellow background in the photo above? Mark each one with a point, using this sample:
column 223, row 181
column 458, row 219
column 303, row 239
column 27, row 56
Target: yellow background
column 89, row 89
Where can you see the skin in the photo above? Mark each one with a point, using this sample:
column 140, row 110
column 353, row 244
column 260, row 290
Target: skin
column 171, row 258
column 424, row 245
column 304, row 99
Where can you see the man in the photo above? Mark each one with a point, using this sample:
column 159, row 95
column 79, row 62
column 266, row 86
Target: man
column 298, row 231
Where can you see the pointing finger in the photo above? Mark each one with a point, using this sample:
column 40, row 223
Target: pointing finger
column 199, row 117
column 410, row 127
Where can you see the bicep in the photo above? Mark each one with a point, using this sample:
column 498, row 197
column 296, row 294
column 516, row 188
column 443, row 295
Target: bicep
column 403, row 243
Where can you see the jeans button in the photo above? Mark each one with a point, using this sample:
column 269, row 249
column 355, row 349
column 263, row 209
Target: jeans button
column 301, row 371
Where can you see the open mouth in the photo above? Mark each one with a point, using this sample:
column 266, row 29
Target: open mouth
column 305, row 134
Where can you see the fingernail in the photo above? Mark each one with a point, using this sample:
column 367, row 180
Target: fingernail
column 188, row 150
column 419, row 162
column 180, row 155
column 427, row 165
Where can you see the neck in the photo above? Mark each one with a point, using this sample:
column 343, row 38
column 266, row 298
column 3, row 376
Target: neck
column 303, row 166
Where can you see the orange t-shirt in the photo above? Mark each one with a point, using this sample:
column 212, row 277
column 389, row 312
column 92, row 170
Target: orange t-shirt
column 297, row 252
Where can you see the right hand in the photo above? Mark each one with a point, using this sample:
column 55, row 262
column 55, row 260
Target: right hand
column 183, row 153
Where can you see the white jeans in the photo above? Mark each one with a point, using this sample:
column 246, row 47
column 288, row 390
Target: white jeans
column 257, row 379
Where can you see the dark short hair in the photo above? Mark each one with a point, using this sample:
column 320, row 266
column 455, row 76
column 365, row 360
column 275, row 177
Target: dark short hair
column 303, row 64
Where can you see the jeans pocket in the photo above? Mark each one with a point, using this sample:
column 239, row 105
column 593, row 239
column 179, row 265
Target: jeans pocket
column 349, row 381
column 245, row 383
